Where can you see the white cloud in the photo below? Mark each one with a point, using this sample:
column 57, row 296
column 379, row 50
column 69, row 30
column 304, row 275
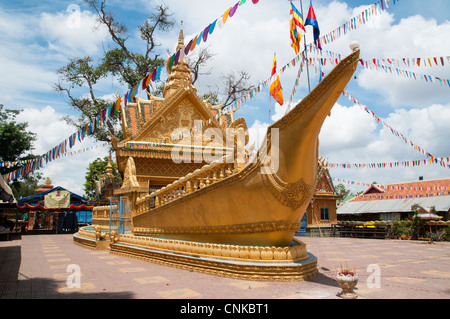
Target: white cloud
column 69, row 172
column 412, row 37
column 348, row 128
column 48, row 126
column 77, row 32
column 257, row 133
column 372, row 143
column 426, row 127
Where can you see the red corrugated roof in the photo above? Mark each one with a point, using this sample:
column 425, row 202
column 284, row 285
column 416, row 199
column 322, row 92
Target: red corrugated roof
column 440, row 187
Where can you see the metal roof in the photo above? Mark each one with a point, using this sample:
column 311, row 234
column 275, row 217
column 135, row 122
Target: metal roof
column 441, row 204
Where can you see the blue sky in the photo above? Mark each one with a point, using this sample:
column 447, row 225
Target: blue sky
column 36, row 41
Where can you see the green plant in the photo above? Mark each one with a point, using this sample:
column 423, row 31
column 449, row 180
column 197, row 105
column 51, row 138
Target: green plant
column 401, row 227
column 447, row 233
column 417, row 226
column 437, row 236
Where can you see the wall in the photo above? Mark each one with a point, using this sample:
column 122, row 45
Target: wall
column 314, row 218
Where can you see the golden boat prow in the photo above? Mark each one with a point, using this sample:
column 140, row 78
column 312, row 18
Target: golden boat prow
column 255, row 205
column 231, row 214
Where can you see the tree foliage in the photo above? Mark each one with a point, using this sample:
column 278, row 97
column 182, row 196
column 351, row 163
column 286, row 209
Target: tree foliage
column 129, row 67
column 27, row 186
column 15, row 140
column 95, row 172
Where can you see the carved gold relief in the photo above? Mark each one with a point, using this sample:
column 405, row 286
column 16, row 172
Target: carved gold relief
column 129, row 178
column 232, row 229
column 290, row 195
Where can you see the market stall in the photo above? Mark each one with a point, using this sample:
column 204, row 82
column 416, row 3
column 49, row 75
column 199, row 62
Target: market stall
column 53, row 209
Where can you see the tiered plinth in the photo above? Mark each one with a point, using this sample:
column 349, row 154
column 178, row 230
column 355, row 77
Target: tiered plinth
column 292, row 263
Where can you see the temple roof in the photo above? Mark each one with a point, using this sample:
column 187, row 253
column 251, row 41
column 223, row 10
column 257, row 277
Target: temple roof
column 325, row 185
column 156, row 119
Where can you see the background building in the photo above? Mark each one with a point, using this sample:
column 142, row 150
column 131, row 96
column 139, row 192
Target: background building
column 321, row 215
column 396, row 201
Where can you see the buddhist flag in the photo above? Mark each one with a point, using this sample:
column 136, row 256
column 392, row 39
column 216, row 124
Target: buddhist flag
column 275, row 88
column 296, row 21
column 295, row 38
column 298, row 18
column 312, row 21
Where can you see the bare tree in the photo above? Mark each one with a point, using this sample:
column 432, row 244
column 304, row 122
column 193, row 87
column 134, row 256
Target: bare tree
column 236, row 86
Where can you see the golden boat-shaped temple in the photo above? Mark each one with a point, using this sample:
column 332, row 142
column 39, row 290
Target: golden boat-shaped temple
column 201, row 201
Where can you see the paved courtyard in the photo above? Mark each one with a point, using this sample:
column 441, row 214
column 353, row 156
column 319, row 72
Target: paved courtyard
column 37, row 267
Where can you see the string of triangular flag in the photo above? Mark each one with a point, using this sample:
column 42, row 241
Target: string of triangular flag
column 413, row 163
column 29, row 166
column 299, row 58
column 352, row 24
column 342, row 30
column 390, row 66
column 395, row 132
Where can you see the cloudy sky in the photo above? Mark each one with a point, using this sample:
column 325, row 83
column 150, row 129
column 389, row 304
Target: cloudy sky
column 39, row 37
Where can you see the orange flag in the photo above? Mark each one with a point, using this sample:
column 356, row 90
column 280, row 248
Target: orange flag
column 275, row 88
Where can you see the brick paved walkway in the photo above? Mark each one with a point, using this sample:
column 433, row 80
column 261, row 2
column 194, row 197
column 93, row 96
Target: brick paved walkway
column 36, row 267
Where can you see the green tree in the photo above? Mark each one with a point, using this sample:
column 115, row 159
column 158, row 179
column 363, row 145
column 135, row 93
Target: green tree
column 15, row 140
column 27, row 186
column 95, row 172
column 341, row 190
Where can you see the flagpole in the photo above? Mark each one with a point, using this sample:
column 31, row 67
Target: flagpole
column 306, row 50
column 270, row 106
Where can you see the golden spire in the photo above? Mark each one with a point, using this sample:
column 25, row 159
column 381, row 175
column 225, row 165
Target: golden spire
column 181, row 38
column 109, row 166
column 180, row 75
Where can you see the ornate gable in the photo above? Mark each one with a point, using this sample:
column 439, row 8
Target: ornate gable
column 325, row 184
column 175, row 114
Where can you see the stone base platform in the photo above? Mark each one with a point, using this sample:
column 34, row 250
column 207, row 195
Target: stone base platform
column 279, row 264
column 90, row 242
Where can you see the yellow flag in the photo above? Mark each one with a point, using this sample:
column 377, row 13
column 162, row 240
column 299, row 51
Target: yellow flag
column 275, row 88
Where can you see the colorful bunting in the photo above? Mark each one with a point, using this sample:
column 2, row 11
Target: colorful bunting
column 29, row 166
column 128, row 97
column 396, row 133
column 414, row 163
